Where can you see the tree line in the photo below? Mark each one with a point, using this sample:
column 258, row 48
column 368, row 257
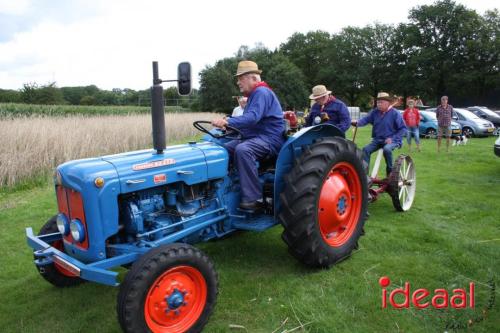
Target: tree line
column 444, row 49
column 50, row 94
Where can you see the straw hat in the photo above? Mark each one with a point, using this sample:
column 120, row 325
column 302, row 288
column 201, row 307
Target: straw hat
column 246, row 66
column 384, row 96
column 319, row 91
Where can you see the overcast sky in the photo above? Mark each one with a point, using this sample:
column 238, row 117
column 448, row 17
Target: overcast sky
column 111, row 43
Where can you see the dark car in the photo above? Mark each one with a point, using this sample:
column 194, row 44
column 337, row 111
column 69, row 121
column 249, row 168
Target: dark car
column 485, row 113
column 496, row 148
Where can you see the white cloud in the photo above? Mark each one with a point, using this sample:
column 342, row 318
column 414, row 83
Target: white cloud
column 115, row 45
column 16, row 7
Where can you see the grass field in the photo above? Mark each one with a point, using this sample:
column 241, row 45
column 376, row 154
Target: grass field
column 13, row 110
column 449, row 238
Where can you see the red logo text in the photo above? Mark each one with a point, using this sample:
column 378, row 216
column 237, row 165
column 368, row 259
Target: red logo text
column 422, row 298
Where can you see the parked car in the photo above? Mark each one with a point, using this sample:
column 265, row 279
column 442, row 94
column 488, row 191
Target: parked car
column 485, row 113
column 428, row 125
column 354, row 112
column 496, row 147
column 471, row 124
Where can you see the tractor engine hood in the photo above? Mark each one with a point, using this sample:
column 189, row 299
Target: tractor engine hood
column 190, row 163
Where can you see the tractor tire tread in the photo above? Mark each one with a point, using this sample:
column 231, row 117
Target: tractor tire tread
column 130, row 299
column 298, row 198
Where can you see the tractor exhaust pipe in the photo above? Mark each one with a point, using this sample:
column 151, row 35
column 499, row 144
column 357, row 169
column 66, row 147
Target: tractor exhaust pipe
column 158, row 112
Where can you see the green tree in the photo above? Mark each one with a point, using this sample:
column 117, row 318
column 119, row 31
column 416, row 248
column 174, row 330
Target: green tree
column 446, row 34
column 47, row 94
column 217, row 86
column 10, row 96
column 308, row 52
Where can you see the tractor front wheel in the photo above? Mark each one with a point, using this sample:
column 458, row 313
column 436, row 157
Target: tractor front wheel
column 324, row 202
column 172, row 288
column 54, row 273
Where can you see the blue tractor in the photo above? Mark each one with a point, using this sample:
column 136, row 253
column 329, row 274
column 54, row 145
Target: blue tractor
column 144, row 210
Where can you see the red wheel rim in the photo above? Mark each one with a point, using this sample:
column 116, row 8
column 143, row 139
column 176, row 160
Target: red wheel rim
column 59, row 245
column 175, row 300
column 340, row 203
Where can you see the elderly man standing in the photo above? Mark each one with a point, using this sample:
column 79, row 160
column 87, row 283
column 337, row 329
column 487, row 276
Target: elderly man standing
column 262, row 128
column 328, row 109
column 443, row 115
column 387, row 132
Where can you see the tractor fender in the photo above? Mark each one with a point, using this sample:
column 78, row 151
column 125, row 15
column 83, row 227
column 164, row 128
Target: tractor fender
column 292, row 149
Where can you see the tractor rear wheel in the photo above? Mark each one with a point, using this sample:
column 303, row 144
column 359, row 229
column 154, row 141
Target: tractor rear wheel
column 172, row 288
column 53, row 273
column 324, row 202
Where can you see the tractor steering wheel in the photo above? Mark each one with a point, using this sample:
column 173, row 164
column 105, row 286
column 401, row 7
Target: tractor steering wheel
column 229, row 133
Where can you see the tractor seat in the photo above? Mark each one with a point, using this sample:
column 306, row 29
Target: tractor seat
column 267, row 164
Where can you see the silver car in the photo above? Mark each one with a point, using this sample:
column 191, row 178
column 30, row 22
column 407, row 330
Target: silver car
column 471, row 124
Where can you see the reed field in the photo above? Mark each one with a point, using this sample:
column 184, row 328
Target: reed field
column 13, row 110
column 33, row 146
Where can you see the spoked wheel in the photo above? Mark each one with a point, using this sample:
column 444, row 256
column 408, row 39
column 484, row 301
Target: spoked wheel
column 324, row 202
column 402, row 183
column 54, row 273
column 170, row 289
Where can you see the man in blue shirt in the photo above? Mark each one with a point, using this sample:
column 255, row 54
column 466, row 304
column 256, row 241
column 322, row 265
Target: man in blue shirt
column 262, row 127
column 387, row 132
column 328, row 109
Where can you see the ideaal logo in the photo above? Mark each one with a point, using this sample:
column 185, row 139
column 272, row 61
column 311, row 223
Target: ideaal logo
column 456, row 309
column 439, row 299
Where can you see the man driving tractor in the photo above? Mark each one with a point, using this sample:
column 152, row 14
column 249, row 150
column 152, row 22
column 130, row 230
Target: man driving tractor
column 262, row 128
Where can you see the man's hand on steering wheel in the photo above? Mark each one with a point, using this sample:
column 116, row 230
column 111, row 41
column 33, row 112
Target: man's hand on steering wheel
column 228, row 132
column 220, row 123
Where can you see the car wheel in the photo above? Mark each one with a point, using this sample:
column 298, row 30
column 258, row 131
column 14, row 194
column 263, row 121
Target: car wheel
column 431, row 133
column 467, row 131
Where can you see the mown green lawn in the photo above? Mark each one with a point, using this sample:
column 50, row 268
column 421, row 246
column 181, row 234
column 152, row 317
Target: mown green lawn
column 450, row 237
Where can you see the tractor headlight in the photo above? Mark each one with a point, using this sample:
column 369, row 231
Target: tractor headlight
column 77, row 230
column 62, row 224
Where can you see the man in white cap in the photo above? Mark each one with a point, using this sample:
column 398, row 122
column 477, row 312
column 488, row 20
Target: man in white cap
column 262, row 127
column 328, row 109
column 387, row 131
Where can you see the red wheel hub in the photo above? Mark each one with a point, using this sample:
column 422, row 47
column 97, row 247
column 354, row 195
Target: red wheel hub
column 175, row 300
column 339, row 205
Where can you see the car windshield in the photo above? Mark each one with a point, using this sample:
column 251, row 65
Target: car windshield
column 428, row 115
column 488, row 112
column 468, row 114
